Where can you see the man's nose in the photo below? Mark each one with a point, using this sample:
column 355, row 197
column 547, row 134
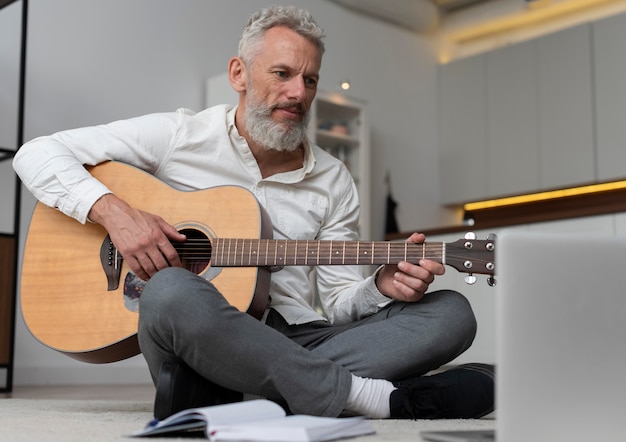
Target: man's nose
column 296, row 89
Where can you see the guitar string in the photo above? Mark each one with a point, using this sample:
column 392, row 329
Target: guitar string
column 324, row 248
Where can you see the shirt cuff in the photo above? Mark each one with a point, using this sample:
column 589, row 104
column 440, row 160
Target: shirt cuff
column 78, row 208
column 372, row 294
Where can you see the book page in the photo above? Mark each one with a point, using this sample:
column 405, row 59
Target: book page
column 208, row 417
column 239, row 412
column 298, row 428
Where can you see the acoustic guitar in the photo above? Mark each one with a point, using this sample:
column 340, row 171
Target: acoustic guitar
column 78, row 296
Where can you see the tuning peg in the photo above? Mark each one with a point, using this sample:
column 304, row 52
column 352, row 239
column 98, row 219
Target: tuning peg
column 491, row 281
column 470, row 279
column 470, row 235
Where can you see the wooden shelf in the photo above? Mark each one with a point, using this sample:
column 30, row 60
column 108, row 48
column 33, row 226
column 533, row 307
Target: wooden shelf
column 330, row 138
column 601, row 203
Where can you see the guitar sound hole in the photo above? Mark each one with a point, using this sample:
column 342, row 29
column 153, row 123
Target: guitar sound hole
column 195, row 253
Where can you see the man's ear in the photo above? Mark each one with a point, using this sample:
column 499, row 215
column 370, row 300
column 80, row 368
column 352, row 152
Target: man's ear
column 237, row 74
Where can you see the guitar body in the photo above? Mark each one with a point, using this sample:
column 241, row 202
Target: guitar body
column 65, row 299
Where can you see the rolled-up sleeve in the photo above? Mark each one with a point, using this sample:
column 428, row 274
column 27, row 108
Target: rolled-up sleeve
column 53, row 175
column 52, row 167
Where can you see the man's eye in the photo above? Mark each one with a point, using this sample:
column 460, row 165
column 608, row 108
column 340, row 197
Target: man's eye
column 311, row 82
column 281, row 74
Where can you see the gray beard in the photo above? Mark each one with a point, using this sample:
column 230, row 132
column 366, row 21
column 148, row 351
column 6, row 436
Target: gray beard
column 266, row 132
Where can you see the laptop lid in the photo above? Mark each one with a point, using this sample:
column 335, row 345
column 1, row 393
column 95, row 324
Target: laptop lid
column 561, row 344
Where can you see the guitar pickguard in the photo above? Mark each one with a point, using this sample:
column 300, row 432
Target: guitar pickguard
column 133, row 288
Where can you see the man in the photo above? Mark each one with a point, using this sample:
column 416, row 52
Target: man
column 381, row 335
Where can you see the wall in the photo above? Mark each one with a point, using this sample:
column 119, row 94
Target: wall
column 93, row 61
column 9, row 86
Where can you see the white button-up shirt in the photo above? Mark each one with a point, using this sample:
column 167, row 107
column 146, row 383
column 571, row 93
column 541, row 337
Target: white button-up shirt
column 191, row 151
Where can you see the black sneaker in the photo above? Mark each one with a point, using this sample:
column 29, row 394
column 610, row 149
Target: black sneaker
column 464, row 392
column 179, row 388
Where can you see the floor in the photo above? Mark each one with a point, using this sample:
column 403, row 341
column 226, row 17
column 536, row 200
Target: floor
column 109, row 413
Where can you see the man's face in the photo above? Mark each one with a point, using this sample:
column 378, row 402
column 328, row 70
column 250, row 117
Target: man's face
column 282, row 84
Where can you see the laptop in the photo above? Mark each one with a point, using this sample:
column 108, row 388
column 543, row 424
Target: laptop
column 561, row 344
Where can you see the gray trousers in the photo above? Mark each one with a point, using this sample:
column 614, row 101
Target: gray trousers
column 184, row 318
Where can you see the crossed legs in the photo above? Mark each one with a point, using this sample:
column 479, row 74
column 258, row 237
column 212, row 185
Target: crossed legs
column 184, row 318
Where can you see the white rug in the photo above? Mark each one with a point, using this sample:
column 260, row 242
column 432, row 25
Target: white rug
column 30, row 420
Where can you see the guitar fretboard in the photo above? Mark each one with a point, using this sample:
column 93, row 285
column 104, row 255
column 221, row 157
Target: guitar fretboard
column 229, row 252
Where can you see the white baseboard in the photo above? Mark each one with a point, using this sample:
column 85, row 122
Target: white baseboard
column 86, row 374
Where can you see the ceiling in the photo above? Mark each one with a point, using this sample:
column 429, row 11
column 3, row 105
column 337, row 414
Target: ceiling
column 415, row 15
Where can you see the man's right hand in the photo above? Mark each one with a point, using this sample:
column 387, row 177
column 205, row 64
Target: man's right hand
column 142, row 238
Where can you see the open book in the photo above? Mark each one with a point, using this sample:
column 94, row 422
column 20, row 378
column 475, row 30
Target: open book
column 257, row 420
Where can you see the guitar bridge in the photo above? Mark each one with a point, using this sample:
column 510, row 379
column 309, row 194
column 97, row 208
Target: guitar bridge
column 111, row 262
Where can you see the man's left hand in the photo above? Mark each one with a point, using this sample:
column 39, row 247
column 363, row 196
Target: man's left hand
column 408, row 282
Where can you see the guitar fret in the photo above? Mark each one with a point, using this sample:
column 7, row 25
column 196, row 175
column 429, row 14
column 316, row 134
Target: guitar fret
column 222, row 251
column 235, row 251
column 318, row 252
column 330, row 252
column 276, row 260
column 218, row 251
column 242, row 252
column 267, row 251
column 443, row 253
column 232, row 252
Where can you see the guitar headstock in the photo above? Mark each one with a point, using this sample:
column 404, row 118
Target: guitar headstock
column 471, row 255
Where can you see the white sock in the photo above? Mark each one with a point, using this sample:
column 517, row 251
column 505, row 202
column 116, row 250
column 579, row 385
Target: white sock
column 370, row 397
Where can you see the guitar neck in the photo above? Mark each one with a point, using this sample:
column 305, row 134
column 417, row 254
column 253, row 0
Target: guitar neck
column 229, row 252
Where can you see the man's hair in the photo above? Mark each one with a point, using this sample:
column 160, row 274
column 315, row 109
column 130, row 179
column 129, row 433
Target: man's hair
column 297, row 20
